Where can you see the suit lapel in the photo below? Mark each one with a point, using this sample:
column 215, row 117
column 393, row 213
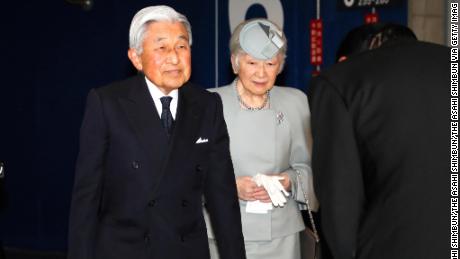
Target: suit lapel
column 143, row 116
column 185, row 129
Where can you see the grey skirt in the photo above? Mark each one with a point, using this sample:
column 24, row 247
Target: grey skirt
column 287, row 247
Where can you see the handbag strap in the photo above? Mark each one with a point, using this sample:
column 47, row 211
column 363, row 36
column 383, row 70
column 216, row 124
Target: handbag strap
column 310, row 214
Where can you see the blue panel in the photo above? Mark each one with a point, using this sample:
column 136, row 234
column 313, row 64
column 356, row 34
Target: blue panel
column 297, row 15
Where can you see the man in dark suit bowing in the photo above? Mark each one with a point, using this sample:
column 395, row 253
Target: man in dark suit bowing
column 151, row 148
column 380, row 124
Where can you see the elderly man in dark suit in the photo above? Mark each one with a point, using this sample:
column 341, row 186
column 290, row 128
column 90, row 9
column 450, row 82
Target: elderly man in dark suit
column 151, row 148
column 381, row 152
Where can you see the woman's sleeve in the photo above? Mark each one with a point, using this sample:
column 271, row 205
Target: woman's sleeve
column 300, row 156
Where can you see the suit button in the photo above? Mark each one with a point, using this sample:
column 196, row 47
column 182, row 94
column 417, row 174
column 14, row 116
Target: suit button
column 147, row 238
column 184, row 203
column 152, row 203
column 182, row 238
column 198, row 168
column 135, row 164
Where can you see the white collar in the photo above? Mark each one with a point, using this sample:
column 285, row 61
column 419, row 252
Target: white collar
column 156, row 94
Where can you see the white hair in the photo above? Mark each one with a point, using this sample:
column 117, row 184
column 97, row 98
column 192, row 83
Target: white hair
column 147, row 15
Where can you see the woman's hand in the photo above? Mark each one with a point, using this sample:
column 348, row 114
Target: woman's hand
column 286, row 182
column 249, row 191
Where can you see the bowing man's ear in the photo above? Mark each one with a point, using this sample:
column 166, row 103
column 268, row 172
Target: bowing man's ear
column 135, row 59
column 342, row 58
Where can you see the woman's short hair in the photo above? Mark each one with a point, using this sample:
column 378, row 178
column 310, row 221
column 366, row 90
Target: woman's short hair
column 159, row 13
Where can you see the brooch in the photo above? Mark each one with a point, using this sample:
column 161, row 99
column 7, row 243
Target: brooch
column 279, row 117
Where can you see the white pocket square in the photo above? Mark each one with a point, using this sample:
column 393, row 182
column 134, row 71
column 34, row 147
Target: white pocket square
column 201, row 140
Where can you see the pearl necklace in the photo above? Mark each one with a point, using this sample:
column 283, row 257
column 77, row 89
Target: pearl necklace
column 248, row 107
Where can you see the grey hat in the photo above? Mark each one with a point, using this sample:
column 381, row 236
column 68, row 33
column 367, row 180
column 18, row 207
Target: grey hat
column 261, row 39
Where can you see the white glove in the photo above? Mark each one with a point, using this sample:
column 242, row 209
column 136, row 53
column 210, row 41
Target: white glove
column 273, row 187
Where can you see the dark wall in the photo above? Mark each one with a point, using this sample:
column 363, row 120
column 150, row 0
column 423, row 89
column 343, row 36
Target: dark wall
column 54, row 52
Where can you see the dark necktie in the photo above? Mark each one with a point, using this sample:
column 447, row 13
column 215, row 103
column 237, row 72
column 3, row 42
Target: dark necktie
column 166, row 116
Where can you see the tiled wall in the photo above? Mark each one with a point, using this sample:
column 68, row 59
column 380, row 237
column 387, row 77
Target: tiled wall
column 427, row 18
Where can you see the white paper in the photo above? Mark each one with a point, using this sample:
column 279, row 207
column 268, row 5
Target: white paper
column 258, row 207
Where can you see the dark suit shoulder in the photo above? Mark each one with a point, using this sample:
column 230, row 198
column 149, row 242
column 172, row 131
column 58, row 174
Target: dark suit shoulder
column 196, row 89
column 195, row 92
column 391, row 61
column 121, row 87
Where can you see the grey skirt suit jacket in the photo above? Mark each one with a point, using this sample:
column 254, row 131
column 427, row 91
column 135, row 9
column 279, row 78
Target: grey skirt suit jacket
column 271, row 141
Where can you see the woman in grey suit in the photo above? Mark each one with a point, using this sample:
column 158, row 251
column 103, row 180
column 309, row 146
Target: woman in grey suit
column 269, row 128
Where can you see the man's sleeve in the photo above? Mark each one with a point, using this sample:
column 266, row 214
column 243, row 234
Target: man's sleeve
column 336, row 168
column 221, row 194
column 88, row 181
